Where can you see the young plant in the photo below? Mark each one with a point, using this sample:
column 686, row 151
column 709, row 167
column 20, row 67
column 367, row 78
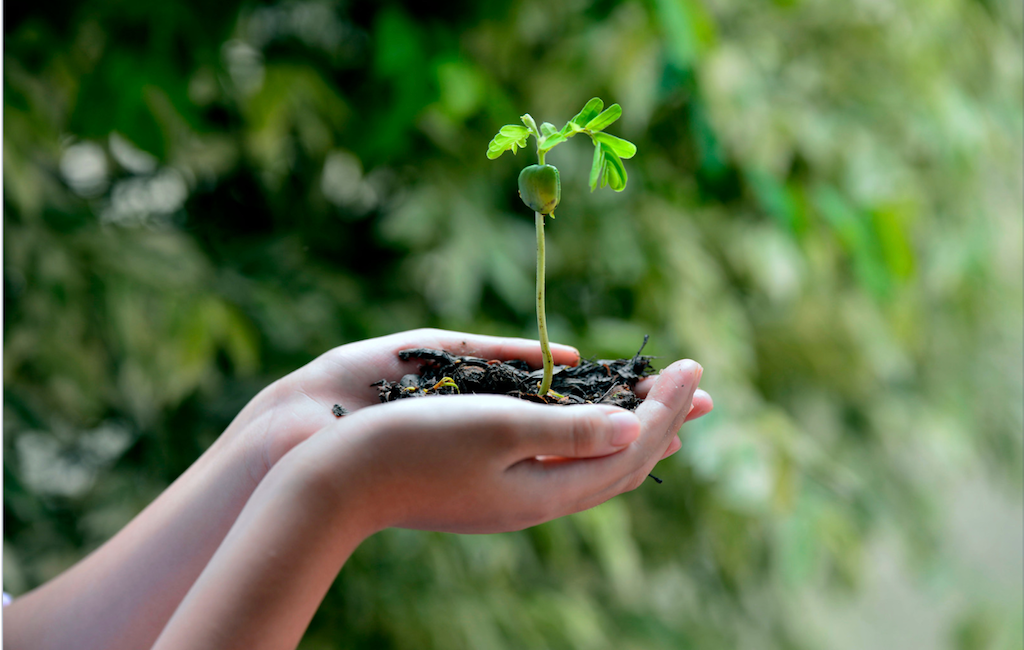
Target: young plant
column 540, row 188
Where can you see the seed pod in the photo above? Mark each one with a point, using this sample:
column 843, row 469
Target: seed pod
column 539, row 188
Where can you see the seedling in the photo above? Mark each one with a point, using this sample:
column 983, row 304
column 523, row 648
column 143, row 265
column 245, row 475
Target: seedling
column 541, row 190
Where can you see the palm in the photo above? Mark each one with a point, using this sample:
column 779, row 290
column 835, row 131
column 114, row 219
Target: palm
column 300, row 404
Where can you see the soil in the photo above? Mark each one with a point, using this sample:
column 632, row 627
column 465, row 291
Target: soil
column 589, row 382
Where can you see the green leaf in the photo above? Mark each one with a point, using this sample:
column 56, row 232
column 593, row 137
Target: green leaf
column 550, row 141
column 514, row 131
column 614, row 170
column 570, row 129
column 624, row 148
column 597, row 167
column 502, row 143
column 589, row 111
column 605, row 119
column 547, row 128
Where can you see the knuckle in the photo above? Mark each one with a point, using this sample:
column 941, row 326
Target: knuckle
column 584, row 434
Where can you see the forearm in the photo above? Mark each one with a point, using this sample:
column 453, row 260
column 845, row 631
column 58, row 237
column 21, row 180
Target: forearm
column 122, row 595
column 268, row 577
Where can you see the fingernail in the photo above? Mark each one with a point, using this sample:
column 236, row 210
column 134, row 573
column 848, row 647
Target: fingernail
column 625, row 428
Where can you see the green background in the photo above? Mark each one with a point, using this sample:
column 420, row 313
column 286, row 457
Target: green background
column 825, row 211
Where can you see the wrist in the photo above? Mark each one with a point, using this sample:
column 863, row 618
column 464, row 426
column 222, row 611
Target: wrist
column 273, row 568
column 335, row 476
column 270, row 426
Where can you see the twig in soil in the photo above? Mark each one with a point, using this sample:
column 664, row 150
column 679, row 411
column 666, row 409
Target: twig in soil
column 642, row 345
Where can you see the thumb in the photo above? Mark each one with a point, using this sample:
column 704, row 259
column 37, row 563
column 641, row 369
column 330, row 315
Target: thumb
column 580, row 431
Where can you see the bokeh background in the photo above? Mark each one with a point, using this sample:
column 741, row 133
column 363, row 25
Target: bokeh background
column 825, row 211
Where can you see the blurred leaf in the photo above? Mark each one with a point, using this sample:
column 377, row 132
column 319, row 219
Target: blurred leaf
column 853, row 231
column 775, row 198
column 689, row 29
column 397, row 43
column 462, row 88
column 890, row 225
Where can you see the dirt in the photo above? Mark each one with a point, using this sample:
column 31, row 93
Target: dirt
column 589, row 382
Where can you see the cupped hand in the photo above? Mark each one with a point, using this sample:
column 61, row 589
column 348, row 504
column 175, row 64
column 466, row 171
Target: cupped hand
column 486, row 464
column 701, row 405
column 299, row 404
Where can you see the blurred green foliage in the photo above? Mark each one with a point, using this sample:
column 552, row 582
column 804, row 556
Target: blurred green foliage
column 825, row 211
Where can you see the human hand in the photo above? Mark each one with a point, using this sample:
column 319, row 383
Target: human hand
column 296, row 406
column 472, row 464
column 483, row 464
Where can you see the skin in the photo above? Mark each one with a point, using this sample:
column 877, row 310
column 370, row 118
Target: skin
column 257, row 529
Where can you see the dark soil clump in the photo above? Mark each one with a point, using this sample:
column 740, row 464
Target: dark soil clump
column 590, row 382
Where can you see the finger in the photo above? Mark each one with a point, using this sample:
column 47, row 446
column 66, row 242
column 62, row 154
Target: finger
column 667, row 405
column 587, row 482
column 579, row 432
column 702, row 402
column 674, row 445
column 701, row 406
column 515, row 430
column 352, row 367
column 644, row 386
column 487, row 347
column 659, row 427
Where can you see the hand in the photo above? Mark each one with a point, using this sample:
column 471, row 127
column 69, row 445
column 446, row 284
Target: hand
column 477, row 464
column 490, row 463
column 122, row 595
column 293, row 408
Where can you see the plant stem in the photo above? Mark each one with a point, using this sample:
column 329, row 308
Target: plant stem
column 542, row 325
